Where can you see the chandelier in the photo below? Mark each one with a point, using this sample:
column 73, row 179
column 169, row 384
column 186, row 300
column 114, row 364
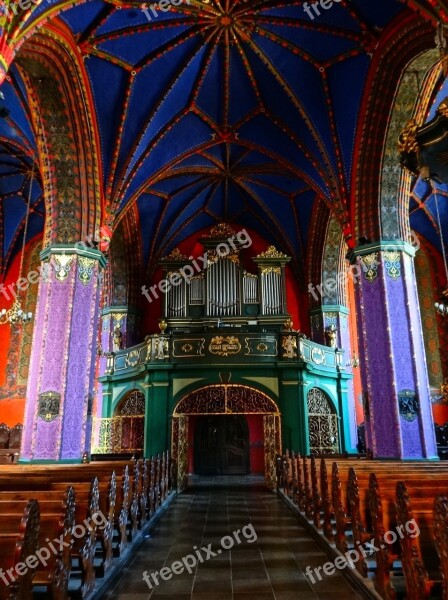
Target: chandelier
column 442, row 306
column 15, row 315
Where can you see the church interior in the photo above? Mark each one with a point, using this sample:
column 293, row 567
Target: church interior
column 223, row 299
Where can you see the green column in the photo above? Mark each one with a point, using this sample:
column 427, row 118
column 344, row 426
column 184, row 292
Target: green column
column 294, row 423
column 157, row 419
column 345, row 417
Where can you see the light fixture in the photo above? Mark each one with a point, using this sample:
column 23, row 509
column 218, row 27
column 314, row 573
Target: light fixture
column 441, row 307
column 15, row 315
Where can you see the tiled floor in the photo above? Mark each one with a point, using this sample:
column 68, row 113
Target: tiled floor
column 269, row 568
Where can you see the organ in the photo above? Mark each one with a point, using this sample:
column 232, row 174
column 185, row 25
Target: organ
column 225, row 286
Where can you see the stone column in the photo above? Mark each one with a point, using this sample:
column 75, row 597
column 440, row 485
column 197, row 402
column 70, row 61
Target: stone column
column 395, row 381
column 62, row 365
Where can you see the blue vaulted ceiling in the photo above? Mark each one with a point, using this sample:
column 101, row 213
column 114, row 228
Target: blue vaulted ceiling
column 244, row 111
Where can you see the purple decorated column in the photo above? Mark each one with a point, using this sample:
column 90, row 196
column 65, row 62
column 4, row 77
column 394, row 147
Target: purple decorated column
column 395, row 381
column 62, row 365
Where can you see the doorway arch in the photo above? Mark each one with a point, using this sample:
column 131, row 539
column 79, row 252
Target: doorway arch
column 322, row 423
column 223, row 400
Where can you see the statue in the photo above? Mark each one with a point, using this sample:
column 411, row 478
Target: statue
column 117, row 339
column 161, row 348
column 330, row 334
column 289, row 345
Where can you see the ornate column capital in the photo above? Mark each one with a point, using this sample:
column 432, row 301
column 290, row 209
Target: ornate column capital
column 382, row 246
column 330, row 308
column 79, row 249
column 118, row 310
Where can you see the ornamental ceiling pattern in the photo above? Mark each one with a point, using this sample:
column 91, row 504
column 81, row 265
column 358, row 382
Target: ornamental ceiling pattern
column 225, row 110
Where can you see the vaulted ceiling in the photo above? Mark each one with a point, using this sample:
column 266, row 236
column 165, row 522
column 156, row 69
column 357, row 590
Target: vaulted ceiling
column 243, row 111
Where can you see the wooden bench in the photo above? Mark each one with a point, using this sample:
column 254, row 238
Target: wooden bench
column 57, row 519
column 126, row 500
column 19, row 539
column 365, row 504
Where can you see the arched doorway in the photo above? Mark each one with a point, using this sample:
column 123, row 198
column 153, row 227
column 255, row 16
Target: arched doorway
column 124, row 432
column 223, row 402
column 322, row 423
column 221, row 445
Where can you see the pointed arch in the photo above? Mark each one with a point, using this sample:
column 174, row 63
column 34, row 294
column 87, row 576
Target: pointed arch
column 412, row 101
column 66, row 135
column 410, row 37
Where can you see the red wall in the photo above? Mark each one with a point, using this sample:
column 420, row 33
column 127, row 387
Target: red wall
column 357, row 383
column 11, row 408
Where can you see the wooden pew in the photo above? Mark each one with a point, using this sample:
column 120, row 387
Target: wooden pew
column 326, row 502
column 125, row 501
column 134, row 506
column 362, row 504
column 144, row 494
column 57, row 519
column 19, row 539
column 441, row 538
column 420, row 565
column 122, row 515
column 84, row 546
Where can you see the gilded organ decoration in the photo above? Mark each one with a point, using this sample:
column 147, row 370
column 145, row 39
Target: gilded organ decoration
column 161, row 348
column 132, row 358
column 289, row 346
column 190, row 347
column 272, row 252
column 318, row 356
column 224, row 345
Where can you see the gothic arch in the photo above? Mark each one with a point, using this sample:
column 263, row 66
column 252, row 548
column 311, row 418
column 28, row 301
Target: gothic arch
column 427, row 275
column 409, row 38
column 322, row 422
column 131, row 404
column 412, row 101
column 66, row 137
column 125, row 263
column 333, row 264
column 226, row 399
column 319, row 223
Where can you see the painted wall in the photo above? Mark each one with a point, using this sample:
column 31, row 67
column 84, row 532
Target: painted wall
column 353, row 328
column 12, row 383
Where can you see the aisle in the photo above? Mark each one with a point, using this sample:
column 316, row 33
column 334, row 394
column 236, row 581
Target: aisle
column 267, row 561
